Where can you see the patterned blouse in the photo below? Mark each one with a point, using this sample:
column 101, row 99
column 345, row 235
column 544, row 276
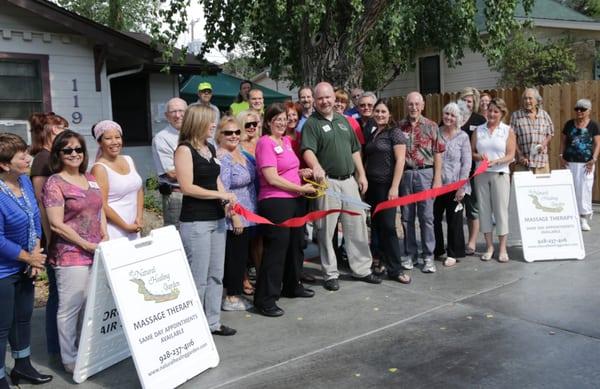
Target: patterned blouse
column 532, row 132
column 456, row 159
column 83, row 209
column 240, row 180
column 422, row 142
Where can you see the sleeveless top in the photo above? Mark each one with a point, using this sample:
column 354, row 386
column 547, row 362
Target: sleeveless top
column 205, row 174
column 122, row 197
column 493, row 145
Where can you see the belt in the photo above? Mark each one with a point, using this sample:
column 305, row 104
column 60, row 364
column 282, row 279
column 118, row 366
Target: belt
column 340, row 178
column 418, row 167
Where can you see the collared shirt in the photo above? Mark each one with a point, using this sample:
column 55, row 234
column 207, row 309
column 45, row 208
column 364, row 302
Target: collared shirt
column 163, row 153
column 301, row 123
column 422, row 142
column 532, row 132
column 213, row 107
column 333, row 142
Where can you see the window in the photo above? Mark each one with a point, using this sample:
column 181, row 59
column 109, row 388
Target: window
column 24, row 85
column 429, row 74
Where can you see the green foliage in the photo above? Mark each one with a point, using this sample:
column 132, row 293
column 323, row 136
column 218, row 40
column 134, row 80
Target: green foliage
column 152, row 202
column 587, row 7
column 152, row 183
column 130, row 15
column 526, row 62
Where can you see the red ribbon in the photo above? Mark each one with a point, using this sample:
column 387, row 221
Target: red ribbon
column 400, row 201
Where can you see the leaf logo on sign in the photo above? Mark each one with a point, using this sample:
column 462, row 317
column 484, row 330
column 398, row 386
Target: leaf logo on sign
column 536, row 202
column 157, row 298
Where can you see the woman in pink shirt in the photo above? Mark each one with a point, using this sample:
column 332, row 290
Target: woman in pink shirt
column 279, row 199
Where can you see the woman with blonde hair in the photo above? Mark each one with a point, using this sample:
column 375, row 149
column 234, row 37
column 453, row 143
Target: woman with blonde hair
column 251, row 126
column 202, row 220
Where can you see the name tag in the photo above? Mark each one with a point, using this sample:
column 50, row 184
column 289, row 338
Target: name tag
column 278, row 149
column 93, row 185
column 326, row 128
column 343, row 127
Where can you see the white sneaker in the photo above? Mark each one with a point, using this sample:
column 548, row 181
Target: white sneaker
column 429, row 266
column 240, row 304
column 584, row 224
column 406, row 262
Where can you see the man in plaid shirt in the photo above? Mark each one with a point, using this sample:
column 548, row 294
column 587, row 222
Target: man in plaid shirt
column 534, row 130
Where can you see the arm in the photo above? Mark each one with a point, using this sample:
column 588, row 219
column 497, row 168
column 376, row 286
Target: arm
column 139, row 218
column 185, row 177
column 38, row 185
column 475, row 156
column 563, row 144
column 12, row 250
column 511, row 145
column 590, row 164
column 399, row 155
column 99, row 172
column 437, row 170
column 465, row 168
column 56, row 219
column 361, row 177
column 274, row 179
column 312, row 162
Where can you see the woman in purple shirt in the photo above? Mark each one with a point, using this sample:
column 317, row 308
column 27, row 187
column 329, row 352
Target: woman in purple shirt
column 279, row 199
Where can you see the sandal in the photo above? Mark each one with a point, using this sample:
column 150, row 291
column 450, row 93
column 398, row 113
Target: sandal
column 379, row 270
column 487, row 255
column 469, row 251
column 449, row 262
column 503, row 258
column 403, row 278
column 248, row 289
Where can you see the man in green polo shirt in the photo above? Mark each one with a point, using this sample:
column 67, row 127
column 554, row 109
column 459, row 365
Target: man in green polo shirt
column 331, row 150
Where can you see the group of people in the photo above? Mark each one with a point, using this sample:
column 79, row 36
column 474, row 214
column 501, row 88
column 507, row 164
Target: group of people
column 274, row 161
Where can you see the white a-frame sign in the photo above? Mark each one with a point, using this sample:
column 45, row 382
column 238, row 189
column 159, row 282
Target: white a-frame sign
column 143, row 292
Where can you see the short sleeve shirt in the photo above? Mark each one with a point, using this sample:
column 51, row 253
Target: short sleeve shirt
column 282, row 157
column 163, row 152
column 532, row 132
column 239, row 179
column 422, row 142
column 379, row 155
column 333, row 142
column 41, row 164
column 82, row 209
column 579, row 145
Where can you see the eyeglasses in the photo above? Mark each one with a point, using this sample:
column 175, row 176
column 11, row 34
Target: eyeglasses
column 69, row 150
column 231, row 132
column 356, row 96
column 206, row 91
column 178, row 111
column 364, row 105
column 251, row 124
column 580, row 109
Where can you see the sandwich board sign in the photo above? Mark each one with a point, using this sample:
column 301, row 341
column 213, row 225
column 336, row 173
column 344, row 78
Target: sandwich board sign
column 548, row 216
column 157, row 309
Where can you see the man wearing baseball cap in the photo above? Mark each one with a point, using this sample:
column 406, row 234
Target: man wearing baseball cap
column 204, row 96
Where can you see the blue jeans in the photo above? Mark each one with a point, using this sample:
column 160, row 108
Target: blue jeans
column 204, row 244
column 16, row 307
column 51, row 309
column 414, row 181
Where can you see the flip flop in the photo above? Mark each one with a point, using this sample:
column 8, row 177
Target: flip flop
column 469, row 251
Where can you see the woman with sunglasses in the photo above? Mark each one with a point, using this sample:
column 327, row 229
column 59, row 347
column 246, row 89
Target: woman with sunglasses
column 119, row 182
column 44, row 128
column 280, row 198
column 21, row 259
column 238, row 177
column 73, row 204
column 580, row 147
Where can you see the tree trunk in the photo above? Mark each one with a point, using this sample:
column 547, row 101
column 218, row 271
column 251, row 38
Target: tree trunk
column 115, row 15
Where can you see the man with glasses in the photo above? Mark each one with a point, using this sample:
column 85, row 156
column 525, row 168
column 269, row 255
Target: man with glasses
column 355, row 94
column 366, row 103
column 205, row 94
column 534, row 130
column 163, row 151
column 305, row 97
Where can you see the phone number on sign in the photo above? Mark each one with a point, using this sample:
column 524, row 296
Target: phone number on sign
column 176, row 351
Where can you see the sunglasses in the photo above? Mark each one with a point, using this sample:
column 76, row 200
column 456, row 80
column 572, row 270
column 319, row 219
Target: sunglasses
column 251, row 124
column 231, row 132
column 206, row 91
column 580, row 109
column 69, row 150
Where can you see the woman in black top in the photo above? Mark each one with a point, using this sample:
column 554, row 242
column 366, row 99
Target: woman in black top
column 385, row 151
column 202, row 227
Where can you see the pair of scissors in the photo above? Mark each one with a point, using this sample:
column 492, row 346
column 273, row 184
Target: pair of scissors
column 323, row 189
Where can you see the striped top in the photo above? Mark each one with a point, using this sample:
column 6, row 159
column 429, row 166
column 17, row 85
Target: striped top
column 13, row 229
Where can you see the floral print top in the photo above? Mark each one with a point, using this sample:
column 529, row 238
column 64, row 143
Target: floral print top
column 83, row 210
column 422, row 142
column 579, row 145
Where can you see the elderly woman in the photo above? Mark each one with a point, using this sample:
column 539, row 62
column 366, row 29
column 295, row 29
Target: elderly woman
column 384, row 164
column 580, row 146
column 494, row 141
column 44, row 128
column 120, row 183
column 279, row 199
column 456, row 164
column 74, row 206
column 21, row 259
column 238, row 177
column 203, row 206
column 471, row 98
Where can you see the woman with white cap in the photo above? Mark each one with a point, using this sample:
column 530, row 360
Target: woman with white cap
column 119, row 182
column 580, row 146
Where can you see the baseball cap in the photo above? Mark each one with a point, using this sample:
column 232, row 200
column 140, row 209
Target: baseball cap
column 204, row 85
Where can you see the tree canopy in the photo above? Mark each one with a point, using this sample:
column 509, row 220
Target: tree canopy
column 123, row 15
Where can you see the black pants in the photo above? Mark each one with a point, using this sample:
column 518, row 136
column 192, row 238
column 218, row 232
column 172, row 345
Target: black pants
column 282, row 251
column 237, row 250
column 16, row 307
column 385, row 225
column 456, row 236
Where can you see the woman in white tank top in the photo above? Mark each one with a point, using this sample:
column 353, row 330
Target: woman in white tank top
column 119, row 182
column 494, row 141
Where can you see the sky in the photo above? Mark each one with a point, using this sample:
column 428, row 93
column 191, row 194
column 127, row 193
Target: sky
column 196, row 15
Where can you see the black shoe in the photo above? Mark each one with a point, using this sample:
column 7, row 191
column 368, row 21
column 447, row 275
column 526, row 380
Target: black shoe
column 34, row 379
column 332, row 284
column 224, row 331
column 305, row 277
column 304, row 292
column 273, row 311
column 371, row 279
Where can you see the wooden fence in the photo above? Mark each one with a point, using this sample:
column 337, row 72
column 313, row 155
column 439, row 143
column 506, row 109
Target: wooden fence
column 558, row 100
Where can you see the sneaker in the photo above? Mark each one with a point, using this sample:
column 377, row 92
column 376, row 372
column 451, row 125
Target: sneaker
column 238, row 304
column 407, row 263
column 584, row 224
column 429, row 266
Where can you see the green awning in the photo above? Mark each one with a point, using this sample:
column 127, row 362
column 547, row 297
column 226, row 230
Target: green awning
column 225, row 90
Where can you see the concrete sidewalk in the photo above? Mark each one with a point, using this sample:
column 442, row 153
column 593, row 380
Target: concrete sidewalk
column 478, row 324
